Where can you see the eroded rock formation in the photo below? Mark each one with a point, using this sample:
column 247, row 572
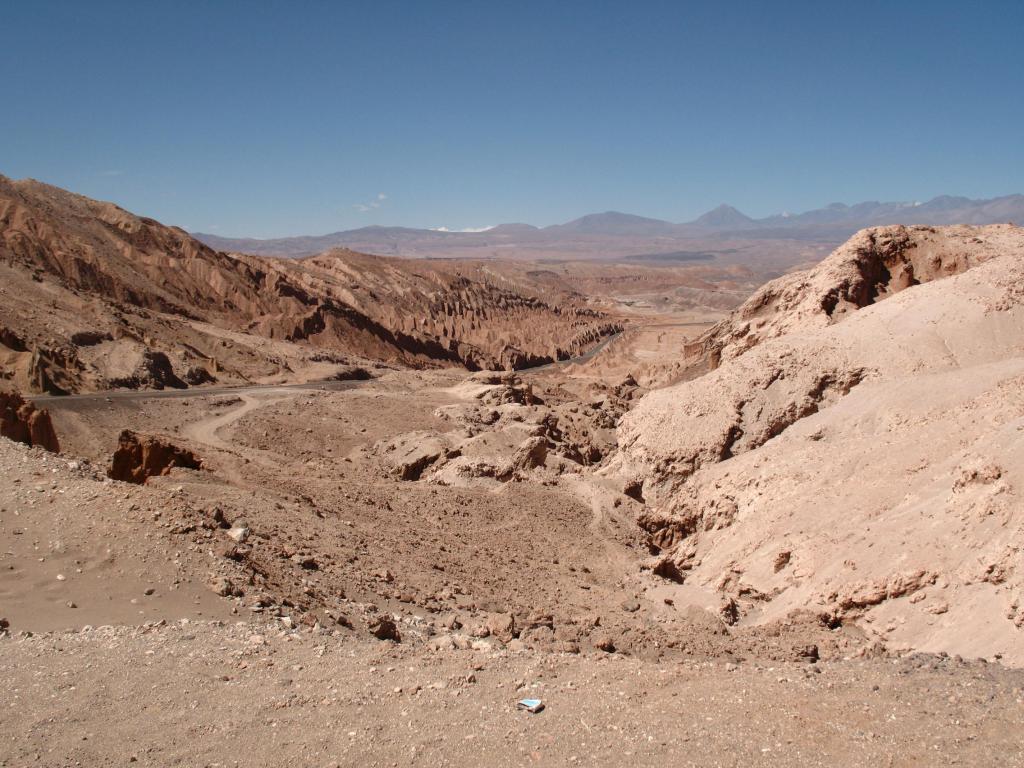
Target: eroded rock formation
column 139, row 457
column 22, row 422
column 873, row 265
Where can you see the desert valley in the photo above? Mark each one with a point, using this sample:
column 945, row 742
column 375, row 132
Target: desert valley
column 466, row 384
column 761, row 507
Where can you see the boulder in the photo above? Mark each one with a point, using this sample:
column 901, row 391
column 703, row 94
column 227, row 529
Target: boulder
column 197, row 374
column 502, row 626
column 532, row 453
column 409, row 455
column 384, row 628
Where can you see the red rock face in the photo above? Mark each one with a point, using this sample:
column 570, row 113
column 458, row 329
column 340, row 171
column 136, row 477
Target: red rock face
column 139, row 457
column 24, row 423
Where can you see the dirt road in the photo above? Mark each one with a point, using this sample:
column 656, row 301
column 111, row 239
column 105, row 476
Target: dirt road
column 120, row 395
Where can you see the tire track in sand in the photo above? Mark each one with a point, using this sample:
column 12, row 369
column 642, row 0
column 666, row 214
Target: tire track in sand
column 205, row 430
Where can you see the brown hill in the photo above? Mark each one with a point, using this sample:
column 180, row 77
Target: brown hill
column 96, row 297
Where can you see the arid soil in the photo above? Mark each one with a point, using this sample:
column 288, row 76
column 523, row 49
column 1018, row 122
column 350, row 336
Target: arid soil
column 254, row 694
column 338, row 527
column 648, row 352
column 802, row 551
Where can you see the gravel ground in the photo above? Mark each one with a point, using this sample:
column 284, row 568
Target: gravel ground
column 214, row 694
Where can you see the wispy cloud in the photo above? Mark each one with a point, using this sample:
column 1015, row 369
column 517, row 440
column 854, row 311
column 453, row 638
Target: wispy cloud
column 111, row 172
column 467, row 229
column 377, row 202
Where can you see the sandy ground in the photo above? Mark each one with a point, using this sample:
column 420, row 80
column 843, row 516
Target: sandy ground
column 248, row 695
column 302, row 469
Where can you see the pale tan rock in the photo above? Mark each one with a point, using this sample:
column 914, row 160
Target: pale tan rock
column 879, row 438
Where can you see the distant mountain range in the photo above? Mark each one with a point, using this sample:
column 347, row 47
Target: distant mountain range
column 611, row 234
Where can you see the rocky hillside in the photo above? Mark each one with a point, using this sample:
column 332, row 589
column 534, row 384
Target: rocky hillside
column 855, row 446
column 444, row 308
column 872, row 265
column 96, row 297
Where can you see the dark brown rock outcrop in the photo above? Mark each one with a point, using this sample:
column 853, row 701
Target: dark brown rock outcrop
column 24, row 423
column 139, row 457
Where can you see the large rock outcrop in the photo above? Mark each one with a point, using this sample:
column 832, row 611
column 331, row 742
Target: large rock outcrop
column 22, row 422
column 140, row 457
column 873, row 265
column 860, row 457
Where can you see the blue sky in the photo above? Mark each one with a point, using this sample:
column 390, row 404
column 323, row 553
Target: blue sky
column 271, row 119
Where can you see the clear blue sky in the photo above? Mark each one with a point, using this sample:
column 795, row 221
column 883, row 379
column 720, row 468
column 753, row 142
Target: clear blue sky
column 270, row 119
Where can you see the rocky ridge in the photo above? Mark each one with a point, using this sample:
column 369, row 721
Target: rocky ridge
column 95, row 297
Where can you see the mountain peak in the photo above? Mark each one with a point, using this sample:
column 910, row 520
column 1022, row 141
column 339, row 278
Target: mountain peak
column 723, row 216
column 512, row 228
column 614, row 223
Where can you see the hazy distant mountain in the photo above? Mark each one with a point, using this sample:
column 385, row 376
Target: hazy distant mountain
column 723, row 217
column 377, row 239
column 516, row 228
column 947, row 203
column 612, row 234
column 614, row 223
column 838, row 220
